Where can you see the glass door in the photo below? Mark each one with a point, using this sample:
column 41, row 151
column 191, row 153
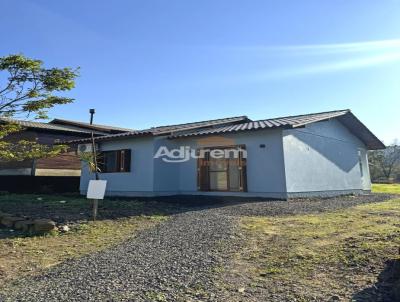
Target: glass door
column 222, row 174
column 218, row 174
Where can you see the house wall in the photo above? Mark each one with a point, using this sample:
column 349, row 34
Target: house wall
column 265, row 170
column 322, row 159
column 152, row 177
column 137, row 182
column 65, row 164
column 166, row 175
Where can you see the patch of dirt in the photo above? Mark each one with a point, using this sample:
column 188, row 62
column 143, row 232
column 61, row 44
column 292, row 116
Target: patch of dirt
column 316, row 258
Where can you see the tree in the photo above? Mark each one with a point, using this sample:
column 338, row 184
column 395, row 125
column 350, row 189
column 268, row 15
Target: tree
column 384, row 163
column 29, row 91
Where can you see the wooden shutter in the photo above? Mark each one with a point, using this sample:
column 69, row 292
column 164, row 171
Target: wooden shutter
column 127, row 160
column 203, row 183
column 243, row 170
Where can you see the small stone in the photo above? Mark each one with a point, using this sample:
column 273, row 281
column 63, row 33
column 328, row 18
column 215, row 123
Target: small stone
column 334, row 298
column 43, row 225
column 241, row 289
column 64, row 229
column 62, row 201
column 39, row 198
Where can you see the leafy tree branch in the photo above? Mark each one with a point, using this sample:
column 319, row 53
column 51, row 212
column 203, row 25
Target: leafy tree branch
column 29, row 90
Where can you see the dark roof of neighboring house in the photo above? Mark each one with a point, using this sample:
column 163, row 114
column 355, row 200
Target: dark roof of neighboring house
column 166, row 130
column 243, row 123
column 47, row 126
column 68, row 126
column 103, row 128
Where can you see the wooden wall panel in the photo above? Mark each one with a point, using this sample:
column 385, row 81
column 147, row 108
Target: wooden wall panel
column 67, row 160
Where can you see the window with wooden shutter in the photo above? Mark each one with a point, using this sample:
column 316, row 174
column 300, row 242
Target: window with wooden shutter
column 115, row 161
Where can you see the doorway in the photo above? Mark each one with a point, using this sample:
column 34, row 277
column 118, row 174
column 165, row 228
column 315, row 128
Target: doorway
column 226, row 174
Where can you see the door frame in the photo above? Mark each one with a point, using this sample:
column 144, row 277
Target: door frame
column 203, row 173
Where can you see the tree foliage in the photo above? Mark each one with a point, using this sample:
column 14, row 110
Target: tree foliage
column 385, row 164
column 28, row 90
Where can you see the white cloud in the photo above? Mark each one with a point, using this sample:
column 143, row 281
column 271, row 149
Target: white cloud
column 331, row 58
column 335, row 66
column 335, row 48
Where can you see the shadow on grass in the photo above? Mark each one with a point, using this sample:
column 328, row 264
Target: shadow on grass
column 71, row 209
column 75, row 208
column 386, row 289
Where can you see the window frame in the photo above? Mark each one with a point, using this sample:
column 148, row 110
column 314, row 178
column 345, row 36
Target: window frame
column 360, row 162
column 123, row 159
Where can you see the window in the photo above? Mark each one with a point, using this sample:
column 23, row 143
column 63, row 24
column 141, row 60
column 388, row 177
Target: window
column 115, row 161
column 360, row 163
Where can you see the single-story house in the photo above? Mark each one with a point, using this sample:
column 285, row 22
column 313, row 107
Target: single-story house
column 320, row 154
column 60, row 173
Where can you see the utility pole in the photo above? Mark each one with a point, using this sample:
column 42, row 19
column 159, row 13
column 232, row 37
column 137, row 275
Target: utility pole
column 95, row 201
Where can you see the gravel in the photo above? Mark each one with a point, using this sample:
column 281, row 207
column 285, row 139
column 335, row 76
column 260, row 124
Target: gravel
column 300, row 206
column 175, row 261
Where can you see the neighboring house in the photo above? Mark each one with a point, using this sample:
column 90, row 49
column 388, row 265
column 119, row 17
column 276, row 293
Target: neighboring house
column 321, row 154
column 60, row 173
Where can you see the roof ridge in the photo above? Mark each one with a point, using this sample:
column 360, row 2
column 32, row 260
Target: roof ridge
column 307, row 114
column 205, row 121
column 48, row 126
column 54, row 122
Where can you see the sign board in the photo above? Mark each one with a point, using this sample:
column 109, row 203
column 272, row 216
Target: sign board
column 96, row 189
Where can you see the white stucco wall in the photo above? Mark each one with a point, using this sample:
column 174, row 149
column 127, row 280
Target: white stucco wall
column 139, row 179
column 148, row 176
column 166, row 175
column 324, row 157
column 265, row 171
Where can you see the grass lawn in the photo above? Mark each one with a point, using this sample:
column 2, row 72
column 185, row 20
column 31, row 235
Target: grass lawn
column 118, row 220
column 315, row 257
column 386, row 188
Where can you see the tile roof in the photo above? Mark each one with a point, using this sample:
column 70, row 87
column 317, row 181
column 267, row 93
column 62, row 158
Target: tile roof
column 112, row 136
column 346, row 117
column 47, row 126
column 196, row 125
column 280, row 122
column 165, row 130
column 242, row 123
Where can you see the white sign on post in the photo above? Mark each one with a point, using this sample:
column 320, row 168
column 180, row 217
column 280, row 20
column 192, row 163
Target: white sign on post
column 96, row 189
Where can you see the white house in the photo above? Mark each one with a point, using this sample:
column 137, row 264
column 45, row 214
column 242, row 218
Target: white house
column 321, row 154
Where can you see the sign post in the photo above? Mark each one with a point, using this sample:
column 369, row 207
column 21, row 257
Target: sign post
column 94, row 155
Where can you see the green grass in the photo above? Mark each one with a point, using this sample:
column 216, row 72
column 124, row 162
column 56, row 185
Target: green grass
column 321, row 252
column 386, row 188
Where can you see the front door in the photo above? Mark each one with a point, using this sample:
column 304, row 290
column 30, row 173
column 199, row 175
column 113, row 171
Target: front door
column 222, row 174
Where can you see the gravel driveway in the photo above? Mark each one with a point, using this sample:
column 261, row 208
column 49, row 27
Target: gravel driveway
column 175, row 261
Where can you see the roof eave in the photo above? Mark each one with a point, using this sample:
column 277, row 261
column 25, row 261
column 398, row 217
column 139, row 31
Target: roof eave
column 367, row 137
column 108, row 138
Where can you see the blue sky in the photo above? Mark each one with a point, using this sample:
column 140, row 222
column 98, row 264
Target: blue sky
column 147, row 63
